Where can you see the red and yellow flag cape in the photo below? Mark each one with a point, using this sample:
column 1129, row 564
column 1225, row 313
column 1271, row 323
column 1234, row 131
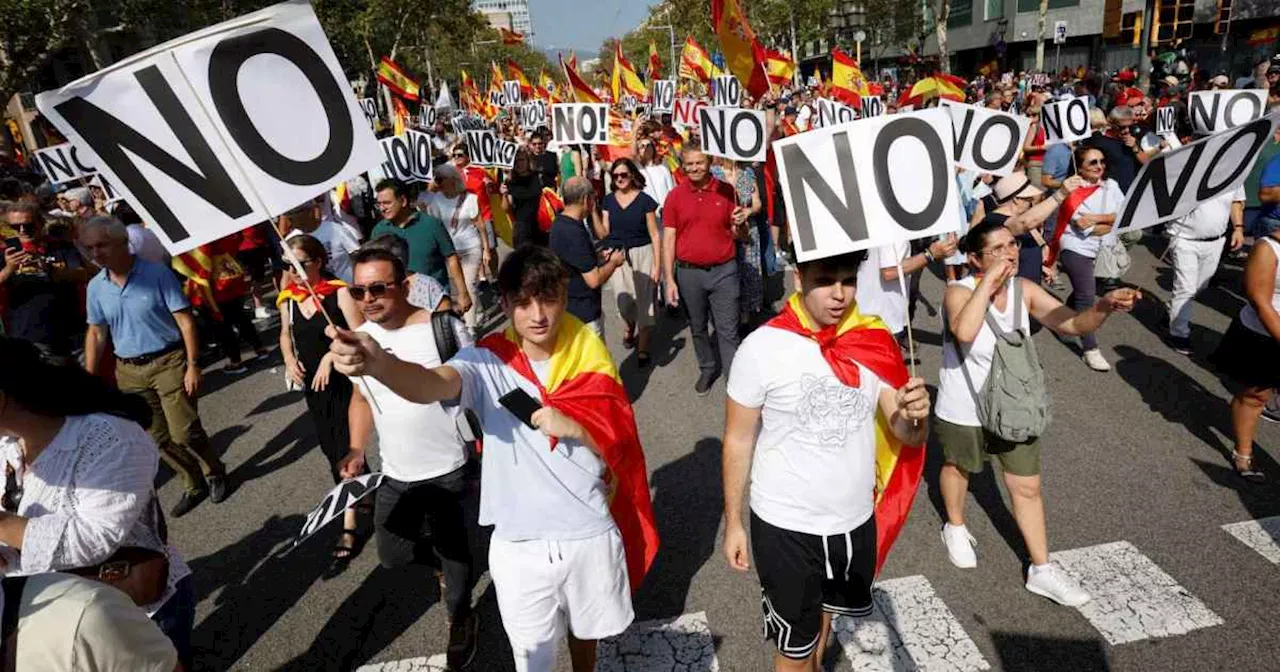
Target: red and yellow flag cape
column 864, row 339
column 298, row 293
column 584, row 385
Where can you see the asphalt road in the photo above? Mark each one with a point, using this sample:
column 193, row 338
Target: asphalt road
column 1137, row 493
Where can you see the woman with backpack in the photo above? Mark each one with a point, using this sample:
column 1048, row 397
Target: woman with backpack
column 991, row 396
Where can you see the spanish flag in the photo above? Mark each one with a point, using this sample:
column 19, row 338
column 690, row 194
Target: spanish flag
column 655, row 64
column 780, row 67
column 864, row 339
column 510, row 36
column 573, row 60
column 212, row 273
column 516, row 73
column 625, row 80
column 298, row 293
column 495, row 76
column 695, row 62
column 847, row 83
column 394, row 77
column 582, row 91
column 547, row 89
column 584, row 385
column 399, row 115
column 743, row 53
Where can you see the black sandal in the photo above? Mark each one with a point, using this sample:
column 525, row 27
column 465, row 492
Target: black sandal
column 642, row 359
column 342, row 555
column 1246, row 472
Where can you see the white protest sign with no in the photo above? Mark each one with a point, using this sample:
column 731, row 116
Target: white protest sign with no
column 1214, row 111
column 1066, row 121
column 109, row 195
column 534, row 114
column 872, row 106
column 398, row 157
column 726, row 91
column 831, row 113
column 65, row 163
column 663, row 95
column 370, row 109
column 879, row 181
column 580, row 123
column 488, row 151
column 342, row 497
column 221, row 129
column 1175, row 182
column 420, row 148
column 686, row 112
column 1166, row 119
column 511, row 92
column 986, row 141
column 733, row 133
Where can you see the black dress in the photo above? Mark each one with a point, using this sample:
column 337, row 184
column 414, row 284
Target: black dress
column 328, row 407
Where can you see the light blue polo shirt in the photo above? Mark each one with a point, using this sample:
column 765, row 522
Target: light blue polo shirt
column 139, row 314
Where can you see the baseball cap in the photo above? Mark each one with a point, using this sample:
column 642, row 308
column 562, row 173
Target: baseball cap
column 1015, row 185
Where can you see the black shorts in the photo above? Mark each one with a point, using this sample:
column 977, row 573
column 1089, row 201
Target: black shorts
column 803, row 575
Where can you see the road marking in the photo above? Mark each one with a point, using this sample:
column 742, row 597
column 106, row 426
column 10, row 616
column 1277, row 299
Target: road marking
column 1262, row 535
column 1133, row 599
column 683, row 643
column 435, row 663
column 910, row 628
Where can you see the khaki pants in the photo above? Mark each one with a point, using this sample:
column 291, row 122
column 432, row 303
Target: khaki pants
column 175, row 422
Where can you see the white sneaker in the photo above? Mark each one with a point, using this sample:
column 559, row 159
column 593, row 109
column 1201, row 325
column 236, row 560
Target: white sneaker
column 1051, row 582
column 1094, row 360
column 960, row 546
column 261, row 313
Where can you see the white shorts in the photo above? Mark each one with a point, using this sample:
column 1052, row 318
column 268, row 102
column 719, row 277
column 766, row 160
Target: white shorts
column 541, row 583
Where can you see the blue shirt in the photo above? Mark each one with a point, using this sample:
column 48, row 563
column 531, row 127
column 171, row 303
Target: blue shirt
column 575, row 244
column 629, row 226
column 1270, row 178
column 139, row 315
column 1057, row 162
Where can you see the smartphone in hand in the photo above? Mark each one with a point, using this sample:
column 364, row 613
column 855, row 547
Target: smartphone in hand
column 521, row 405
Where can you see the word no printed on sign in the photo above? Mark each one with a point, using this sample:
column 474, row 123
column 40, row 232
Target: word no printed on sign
column 342, row 497
column 511, row 92
column 831, row 113
column 872, row 106
column 534, row 115
column 1214, row 111
column 1066, row 121
column 986, row 141
column 64, row 163
column 370, row 109
column 427, row 117
column 464, row 122
column 733, row 133
column 1166, row 120
column 1174, row 182
column 487, row 151
column 663, row 95
column 580, row 123
column 686, row 112
column 726, row 91
column 204, row 138
column 407, row 157
column 879, row 181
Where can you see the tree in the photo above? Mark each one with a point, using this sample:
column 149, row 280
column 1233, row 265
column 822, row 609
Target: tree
column 1040, row 25
column 944, row 13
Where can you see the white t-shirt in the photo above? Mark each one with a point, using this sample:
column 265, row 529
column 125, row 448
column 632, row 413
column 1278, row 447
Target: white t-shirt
column 814, row 469
column 527, row 490
column 459, row 220
column 1104, row 201
column 804, row 117
column 145, row 244
column 340, row 240
column 658, row 183
column 877, row 296
column 1211, row 218
column 955, row 402
column 416, row 441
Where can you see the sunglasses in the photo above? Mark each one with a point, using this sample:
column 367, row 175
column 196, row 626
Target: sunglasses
column 459, row 155
column 375, row 291
column 1096, row 162
column 26, row 226
column 619, row 176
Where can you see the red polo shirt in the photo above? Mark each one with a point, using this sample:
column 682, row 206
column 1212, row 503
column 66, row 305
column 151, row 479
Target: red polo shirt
column 703, row 220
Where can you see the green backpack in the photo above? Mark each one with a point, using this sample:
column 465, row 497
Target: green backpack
column 1013, row 403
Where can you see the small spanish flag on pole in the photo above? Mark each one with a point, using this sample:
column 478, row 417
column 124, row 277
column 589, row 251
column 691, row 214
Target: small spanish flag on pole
column 394, row 77
column 510, row 37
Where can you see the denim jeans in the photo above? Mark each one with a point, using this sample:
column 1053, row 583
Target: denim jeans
column 177, row 618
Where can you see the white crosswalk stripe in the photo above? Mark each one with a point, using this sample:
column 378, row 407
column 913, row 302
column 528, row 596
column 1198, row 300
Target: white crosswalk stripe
column 681, row 644
column 435, row 663
column 910, row 629
column 1262, row 535
column 1133, row 599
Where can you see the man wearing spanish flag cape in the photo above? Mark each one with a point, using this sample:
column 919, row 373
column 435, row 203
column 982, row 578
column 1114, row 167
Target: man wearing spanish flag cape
column 564, row 486
column 834, row 469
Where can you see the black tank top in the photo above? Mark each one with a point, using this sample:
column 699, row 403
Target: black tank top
column 309, row 341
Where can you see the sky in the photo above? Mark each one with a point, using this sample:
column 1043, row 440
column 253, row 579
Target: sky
column 583, row 24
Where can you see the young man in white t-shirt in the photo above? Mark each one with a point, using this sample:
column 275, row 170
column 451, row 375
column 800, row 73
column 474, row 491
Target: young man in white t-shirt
column 879, row 290
column 418, row 514
column 813, row 470
column 573, row 524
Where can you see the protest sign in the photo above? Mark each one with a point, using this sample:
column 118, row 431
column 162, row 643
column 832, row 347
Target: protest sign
column 465, row 122
column 498, row 98
column 109, row 194
column 733, row 133
column 534, row 115
column 427, row 117
column 1214, row 111
column 488, row 151
column 663, row 95
column 872, row 106
column 1166, row 119
column 726, row 91
column 831, row 113
column 628, row 103
column 342, row 497
column 986, row 141
column 204, row 138
column 370, row 109
column 580, row 123
column 420, row 149
column 511, row 93
column 881, row 180
column 64, row 163
column 398, row 158
column 1066, row 121
column 1174, row 182
column 686, row 112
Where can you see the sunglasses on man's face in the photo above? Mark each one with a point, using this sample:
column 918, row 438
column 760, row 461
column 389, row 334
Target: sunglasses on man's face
column 374, row 291
column 459, row 155
column 26, row 227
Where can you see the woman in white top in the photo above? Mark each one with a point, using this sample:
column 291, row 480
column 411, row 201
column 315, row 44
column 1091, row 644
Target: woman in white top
column 993, row 257
column 1091, row 220
column 78, row 485
column 657, row 177
column 1250, row 351
column 460, row 212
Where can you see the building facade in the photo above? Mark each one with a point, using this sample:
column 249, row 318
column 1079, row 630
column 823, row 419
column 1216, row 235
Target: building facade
column 512, row 14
